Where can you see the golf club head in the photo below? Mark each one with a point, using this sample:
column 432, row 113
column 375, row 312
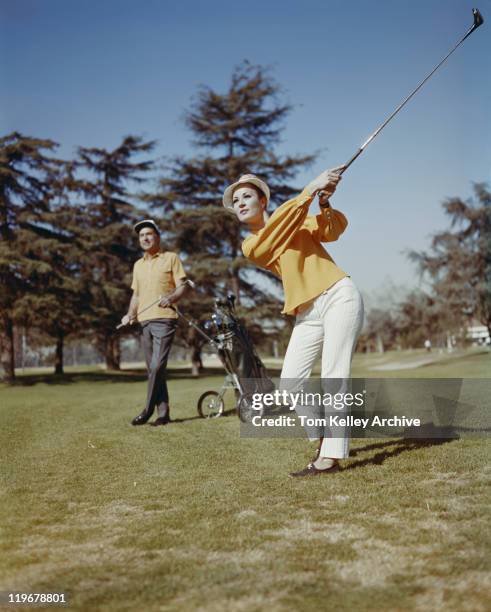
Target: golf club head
column 478, row 19
column 217, row 320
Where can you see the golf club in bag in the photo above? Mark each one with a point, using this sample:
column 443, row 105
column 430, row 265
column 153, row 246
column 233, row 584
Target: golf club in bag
column 246, row 373
column 478, row 20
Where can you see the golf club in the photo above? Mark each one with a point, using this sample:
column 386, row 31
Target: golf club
column 142, row 310
column 192, row 323
column 478, row 20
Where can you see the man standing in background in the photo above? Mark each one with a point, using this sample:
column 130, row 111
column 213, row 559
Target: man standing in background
column 157, row 273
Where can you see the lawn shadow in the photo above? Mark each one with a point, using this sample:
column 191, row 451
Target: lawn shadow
column 225, row 413
column 123, row 376
column 28, row 380
column 394, row 448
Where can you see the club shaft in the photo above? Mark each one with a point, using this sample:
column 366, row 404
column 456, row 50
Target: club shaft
column 403, row 103
column 194, row 325
column 142, row 310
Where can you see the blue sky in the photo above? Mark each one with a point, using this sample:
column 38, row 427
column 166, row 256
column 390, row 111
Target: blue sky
column 88, row 73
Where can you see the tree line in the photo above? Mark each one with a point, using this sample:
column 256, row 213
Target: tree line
column 456, row 284
column 67, row 246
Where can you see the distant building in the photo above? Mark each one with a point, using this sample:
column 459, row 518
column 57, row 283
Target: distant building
column 478, row 334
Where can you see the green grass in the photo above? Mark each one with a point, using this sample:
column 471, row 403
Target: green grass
column 191, row 517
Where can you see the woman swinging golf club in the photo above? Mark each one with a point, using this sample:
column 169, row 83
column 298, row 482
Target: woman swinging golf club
column 327, row 305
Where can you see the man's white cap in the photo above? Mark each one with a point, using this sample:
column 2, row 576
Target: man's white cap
column 245, row 178
column 146, row 223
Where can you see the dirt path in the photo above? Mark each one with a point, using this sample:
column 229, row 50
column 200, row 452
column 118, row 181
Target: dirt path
column 407, row 365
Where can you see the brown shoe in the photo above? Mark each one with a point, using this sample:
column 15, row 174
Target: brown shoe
column 311, row 470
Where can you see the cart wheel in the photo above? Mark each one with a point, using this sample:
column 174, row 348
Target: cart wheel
column 210, row 405
column 245, row 409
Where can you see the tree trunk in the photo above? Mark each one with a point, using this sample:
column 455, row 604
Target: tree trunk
column 116, row 344
column 7, row 349
column 112, row 353
column 196, row 361
column 196, row 345
column 450, row 343
column 59, row 353
column 380, row 344
column 236, row 287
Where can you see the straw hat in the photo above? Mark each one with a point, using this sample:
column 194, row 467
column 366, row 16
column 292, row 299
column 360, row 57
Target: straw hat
column 245, row 178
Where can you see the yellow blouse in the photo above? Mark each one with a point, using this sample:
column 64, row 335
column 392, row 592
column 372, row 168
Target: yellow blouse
column 289, row 246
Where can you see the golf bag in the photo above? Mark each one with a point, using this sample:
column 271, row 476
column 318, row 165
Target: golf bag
column 246, row 372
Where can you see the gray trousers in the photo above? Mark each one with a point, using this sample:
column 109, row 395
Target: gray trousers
column 157, row 336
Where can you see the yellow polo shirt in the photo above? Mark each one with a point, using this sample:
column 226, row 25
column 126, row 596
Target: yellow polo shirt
column 289, row 246
column 155, row 275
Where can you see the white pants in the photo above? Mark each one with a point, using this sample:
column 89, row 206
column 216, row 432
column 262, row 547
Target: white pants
column 332, row 324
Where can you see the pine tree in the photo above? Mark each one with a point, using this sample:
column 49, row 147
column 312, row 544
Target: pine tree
column 459, row 262
column 54, row 302
column 24, row 192
column 420, row 317
column 109, row 240
column 237, row 132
